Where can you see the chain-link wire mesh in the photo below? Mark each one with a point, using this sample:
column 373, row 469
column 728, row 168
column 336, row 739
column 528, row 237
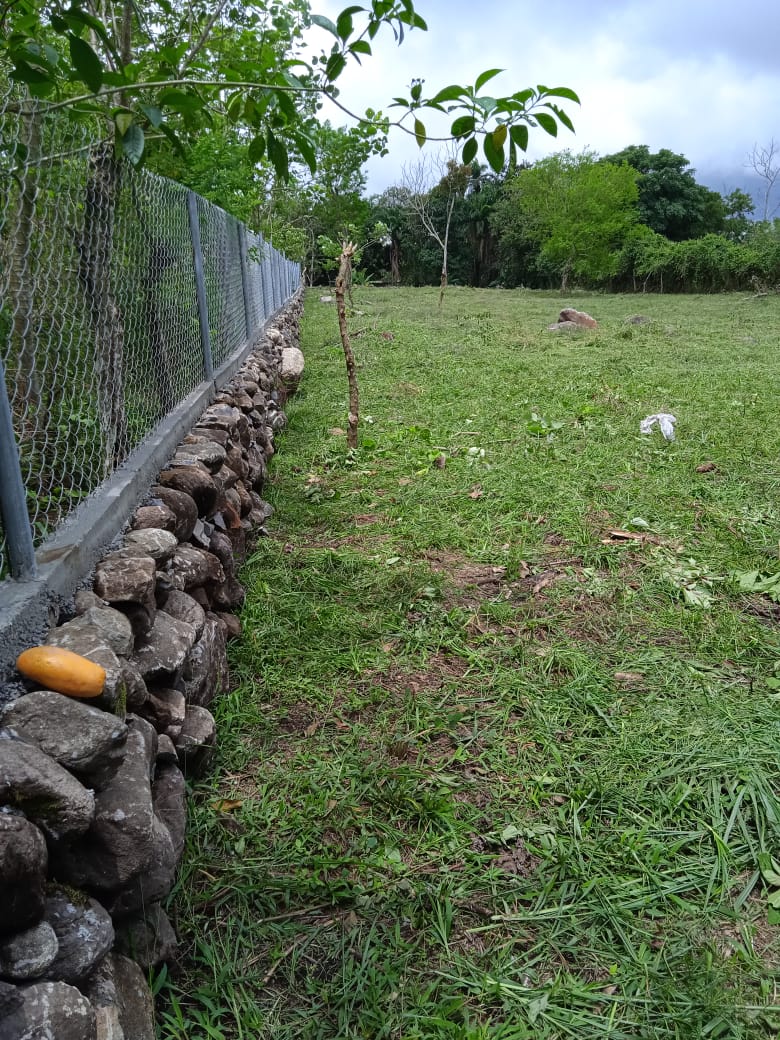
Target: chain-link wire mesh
column 100, row 336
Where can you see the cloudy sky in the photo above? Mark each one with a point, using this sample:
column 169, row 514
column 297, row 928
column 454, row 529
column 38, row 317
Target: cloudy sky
column 701, row 77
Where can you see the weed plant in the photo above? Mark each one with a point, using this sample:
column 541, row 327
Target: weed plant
column 500, row 758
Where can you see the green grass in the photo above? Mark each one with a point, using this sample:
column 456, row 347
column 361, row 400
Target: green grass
column 487, row 771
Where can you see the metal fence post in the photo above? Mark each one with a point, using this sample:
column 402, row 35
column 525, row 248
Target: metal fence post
column 265, row 278
column 200, row 285
column 248, row 322
column 13, row 497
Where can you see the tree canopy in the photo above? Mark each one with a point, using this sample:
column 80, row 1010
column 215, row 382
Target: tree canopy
column 671, row 202
column 171, row 68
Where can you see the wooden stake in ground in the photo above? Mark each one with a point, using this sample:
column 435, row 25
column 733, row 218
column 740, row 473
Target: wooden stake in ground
column 343, row 283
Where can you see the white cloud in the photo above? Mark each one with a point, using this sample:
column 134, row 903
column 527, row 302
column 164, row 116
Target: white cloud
column 699, row 78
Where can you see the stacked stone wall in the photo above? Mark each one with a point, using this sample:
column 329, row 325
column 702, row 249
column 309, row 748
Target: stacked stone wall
column 92, row 792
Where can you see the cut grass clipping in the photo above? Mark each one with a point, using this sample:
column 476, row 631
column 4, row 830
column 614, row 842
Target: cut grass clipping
column 501, row 756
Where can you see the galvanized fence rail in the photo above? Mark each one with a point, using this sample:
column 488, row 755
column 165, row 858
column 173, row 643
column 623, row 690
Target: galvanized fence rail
column 122, row 295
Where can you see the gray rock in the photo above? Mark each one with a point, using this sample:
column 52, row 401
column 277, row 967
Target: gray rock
column 209, row 570
column 196, row 742
column 160, row 656
column 51, row 1011
column 205, row 670
column 169, row 795
column 154, row 542
column 90, row 643
column 165, row 708
column 221, row 416
column 183, row 507
column 100, row 990
column 47, row 794
column 11, row 1002
column 184, row 608
column 112, row 625
column 153, row 883
column 232, row 624
column 23, row 864
column 84, row 740
column 166, row 752
column 120, row 842
column 213, row 434
column 565, row 326
column 201, row 534
column 122, row 1001
column 149, row 938
column 208, row 452
column 85, row 599
column 125, row 579
column 136, row 1007
column 26, row 955
column 291, row 368
column 84, row 933
column 136, row 692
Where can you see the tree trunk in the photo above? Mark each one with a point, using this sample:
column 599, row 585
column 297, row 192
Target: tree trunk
column 443, row 284
column 395, row 262
column 95, row 245
column 343, row 280
column 21, row 269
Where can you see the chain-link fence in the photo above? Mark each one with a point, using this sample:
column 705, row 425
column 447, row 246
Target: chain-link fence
column 120, row 292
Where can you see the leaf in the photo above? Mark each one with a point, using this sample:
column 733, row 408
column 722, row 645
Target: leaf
column 86, row 63
column 463, row 126
column 360, row 47
column 226, row 804
column 537, row 1006
column 335, row 65
column 306, row 147
column 277, row 153
column 344, row 24
column 133, row 143
column 563, row 118
column 547, row 123
column 476, row 492
column 256, row 149
column 483, row 78
column 153, row 114
column 519, row 136
column 123, row 121
column 493, row 154
column 470, row 149
column 181, row 102
column 696, row 596
column 561, row 92
column 419, row 133
column 452, row 93
column 324, row 23
column 499, row 135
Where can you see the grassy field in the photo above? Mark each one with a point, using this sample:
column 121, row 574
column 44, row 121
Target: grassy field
column 502, row 759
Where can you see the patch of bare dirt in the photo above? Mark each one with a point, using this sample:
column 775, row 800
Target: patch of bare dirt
column 440, row 671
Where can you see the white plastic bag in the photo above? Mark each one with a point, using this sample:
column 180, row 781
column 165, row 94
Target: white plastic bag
column 665, row 422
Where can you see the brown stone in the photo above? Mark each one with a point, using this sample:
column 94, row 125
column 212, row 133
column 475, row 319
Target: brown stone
column 153, row 516
column 195, row 481
column 183, row 507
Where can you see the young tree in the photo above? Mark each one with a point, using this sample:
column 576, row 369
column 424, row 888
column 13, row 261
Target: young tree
column 765, row 161
column 433, row 204
column 576, row 208
column 167, row 69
